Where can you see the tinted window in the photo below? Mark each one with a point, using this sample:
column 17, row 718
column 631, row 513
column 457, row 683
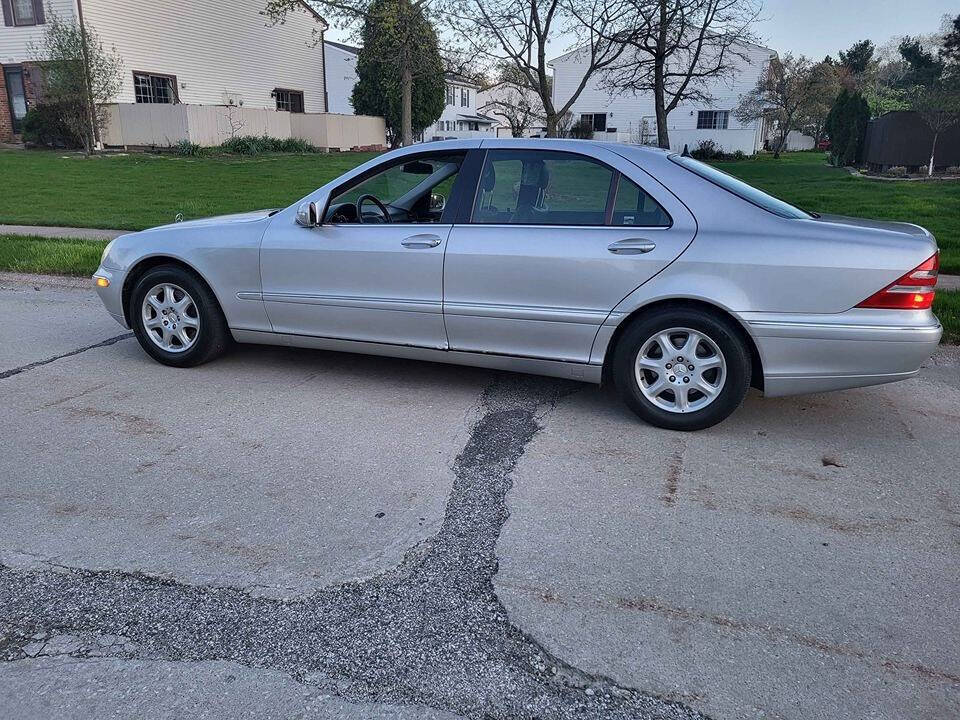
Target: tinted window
column 537, row 187
column 740, row 188
column 634, row 207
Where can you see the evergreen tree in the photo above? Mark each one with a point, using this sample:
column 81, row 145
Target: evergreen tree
column 847, row 126
column 399, row 50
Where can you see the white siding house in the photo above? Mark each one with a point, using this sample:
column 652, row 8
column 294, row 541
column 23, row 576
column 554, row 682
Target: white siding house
column 340, row 65
column 209, row 52
column 498, row 100
column 632, row 118
column 460, row 118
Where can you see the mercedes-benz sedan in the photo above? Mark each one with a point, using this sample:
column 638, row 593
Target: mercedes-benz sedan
column 677, row 282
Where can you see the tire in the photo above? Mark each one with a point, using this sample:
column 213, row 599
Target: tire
column 173, row 331
column 712, row 390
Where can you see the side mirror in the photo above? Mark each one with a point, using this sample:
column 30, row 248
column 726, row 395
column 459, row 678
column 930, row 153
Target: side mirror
column 308, row 215
column 437, row 201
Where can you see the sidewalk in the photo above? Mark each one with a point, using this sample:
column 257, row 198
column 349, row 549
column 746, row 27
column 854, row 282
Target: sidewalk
column 944, row 282
column 45, row 231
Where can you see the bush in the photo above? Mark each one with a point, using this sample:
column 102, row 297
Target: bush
column 707, row 150
column 251, row 145
column 898, row 171
column 582, row 129
column 739, row 155
column 846, row 125
column 189, row 149
column 43, row 126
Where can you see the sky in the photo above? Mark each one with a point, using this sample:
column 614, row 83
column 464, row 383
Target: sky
column 816, row 28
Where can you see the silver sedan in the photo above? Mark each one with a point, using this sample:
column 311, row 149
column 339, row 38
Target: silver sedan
column 599, row 262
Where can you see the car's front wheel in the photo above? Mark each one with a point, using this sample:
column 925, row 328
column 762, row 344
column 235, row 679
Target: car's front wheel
column 176, row 317
column 682, row 368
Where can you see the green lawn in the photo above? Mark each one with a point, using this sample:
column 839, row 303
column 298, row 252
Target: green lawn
column 805, row 180
column 136, row 191
column 54, row 256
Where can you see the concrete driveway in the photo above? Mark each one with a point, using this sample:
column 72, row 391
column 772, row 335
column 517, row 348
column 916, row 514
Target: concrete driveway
column 287, row 533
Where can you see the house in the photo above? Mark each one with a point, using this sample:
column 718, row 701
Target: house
column 632, row 118
column 504, row 100
column 460, row 118
column 209, row 53
column 340, row 66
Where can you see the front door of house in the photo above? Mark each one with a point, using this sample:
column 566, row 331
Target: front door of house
column 16, row 97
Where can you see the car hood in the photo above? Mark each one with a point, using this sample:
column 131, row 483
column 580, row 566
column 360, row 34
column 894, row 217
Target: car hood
column 903, row 228
column 218, row 220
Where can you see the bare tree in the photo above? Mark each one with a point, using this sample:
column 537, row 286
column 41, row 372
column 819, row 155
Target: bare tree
column 80, row 76
column 675, row 48
column 406, row 21
column 940, row 109
column 515, row 103
column 519, row 32
column 786, row 96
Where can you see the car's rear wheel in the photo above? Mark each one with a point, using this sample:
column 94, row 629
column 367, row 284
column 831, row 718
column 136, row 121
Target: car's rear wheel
column 176, row 317
column 682, row 368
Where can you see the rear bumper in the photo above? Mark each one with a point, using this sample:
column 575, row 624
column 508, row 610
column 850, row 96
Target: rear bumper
column 816, row 353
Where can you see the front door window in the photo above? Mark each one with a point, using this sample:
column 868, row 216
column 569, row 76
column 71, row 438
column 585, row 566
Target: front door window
column 16, row 96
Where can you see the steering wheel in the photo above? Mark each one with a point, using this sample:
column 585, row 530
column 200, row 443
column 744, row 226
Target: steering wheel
column 380, row 206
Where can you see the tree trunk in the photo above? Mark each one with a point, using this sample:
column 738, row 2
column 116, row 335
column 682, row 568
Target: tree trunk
column 552, row 125
column 933, row 152
column 88, row 83
column 406, row 112
column 659, row 88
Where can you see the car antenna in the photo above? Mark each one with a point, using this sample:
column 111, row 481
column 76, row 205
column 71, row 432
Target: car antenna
column 686, row 151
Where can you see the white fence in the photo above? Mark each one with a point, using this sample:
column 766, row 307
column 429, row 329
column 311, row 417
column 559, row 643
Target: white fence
column 147, row 125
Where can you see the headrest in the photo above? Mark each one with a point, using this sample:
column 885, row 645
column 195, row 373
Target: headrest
column 535, row 174
column 489, row 178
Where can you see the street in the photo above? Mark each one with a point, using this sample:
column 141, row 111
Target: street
column 291, row 533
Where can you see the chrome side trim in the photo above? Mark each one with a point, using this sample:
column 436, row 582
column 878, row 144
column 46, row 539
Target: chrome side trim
column 369, row 303
column 249, row 296
column 526, row 312
column 551, row 368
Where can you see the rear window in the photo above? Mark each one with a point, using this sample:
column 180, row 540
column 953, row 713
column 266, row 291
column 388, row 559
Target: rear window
column 740, row 188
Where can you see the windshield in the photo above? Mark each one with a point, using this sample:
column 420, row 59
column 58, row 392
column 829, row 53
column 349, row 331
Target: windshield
column 740, row 188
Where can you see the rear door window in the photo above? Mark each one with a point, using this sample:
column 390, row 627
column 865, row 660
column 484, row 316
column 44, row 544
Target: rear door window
column 539, row 187
column 635, row 207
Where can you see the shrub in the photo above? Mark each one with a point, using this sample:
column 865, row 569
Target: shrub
column 189, row 149
column 739, row 155
column 44, row 126
column 707, row 150
column 896, row 171
column 582, row 129
column 846, row 125
column 251, row 145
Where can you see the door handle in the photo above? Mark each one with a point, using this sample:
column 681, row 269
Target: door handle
column 631, row 246
column 424, row 240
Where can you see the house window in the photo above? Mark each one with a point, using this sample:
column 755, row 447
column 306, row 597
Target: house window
column 451, row 95
column 148, row 88
column 713, row 119
column 23, row 12
column 289, row 100
column 16, row 96
column 599, row 121
column 464, row 97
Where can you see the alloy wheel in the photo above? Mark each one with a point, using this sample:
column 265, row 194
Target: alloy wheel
column 680, row 370
column 170, row 318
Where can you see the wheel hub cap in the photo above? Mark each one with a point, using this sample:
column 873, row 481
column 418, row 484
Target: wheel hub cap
column 680, row 370
column 170, row 318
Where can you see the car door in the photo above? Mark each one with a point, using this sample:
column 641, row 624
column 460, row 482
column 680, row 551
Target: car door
column 377, row 282
column 554, row 239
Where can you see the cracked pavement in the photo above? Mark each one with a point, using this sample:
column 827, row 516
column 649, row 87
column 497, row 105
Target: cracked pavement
column 302, row 534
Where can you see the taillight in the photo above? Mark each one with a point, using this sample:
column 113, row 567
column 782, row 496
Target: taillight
column 913, row 291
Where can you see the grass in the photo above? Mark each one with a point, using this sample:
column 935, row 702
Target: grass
column 946, row 306
column 805, row 180
column 53, row 256
column 137, row 191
